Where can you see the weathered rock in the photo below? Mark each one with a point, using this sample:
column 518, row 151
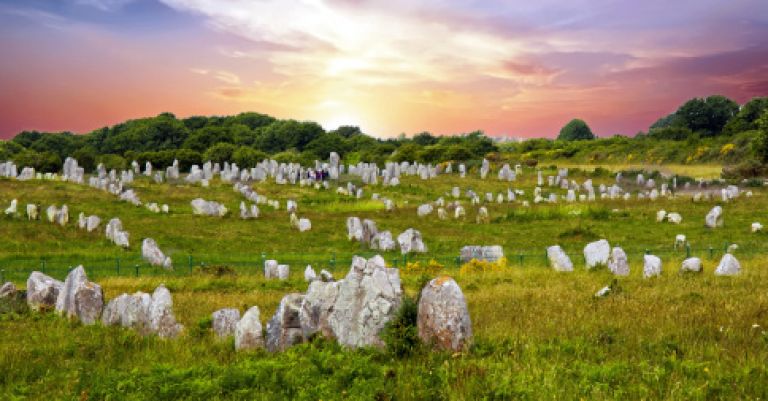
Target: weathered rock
column 304, row 225
column 691, row 265
column 80, row 298
column 270, row 268
column 8, row 290
column 675, row 218
column 755, row 227
column 224, row 321
column 92, row 223
column 558, row 259
column 152, row 254
column 284, row 329
column 490, row 253
column 208, row 208
column 597, row 253
column 618, row 263
column 443, row 317
column 161, row 319
column 410, row 241
column 354, row 229
column 248, row 331
column 309, row 274
column 282, row 272
column 714, row 218
column 42, row 291
column 651, row 266
column 368, row 298
column 728, row 266
column 316, row 308
column 325, row 275
column 383, row 241
column 130, row 311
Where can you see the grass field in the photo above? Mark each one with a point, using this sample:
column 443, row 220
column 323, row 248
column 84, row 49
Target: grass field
column 538, row 334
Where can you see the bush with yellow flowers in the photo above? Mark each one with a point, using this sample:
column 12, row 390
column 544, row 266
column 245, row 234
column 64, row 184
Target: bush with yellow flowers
column 475, row 266
column 431, row 268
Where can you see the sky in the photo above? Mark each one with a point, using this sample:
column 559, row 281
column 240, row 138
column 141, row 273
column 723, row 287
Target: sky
column 510, row 68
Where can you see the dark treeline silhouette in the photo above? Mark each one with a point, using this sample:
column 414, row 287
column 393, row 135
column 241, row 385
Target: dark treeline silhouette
column 712, row 129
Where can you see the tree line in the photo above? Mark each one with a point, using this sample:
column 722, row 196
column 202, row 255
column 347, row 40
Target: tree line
column 248, row 138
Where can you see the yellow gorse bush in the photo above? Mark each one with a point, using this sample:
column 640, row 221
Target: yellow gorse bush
column 475, row 266
column 417, row 268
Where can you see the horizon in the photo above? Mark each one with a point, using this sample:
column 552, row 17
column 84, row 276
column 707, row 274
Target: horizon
column 515, row 71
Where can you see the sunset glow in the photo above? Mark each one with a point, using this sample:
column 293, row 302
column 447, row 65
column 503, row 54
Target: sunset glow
column 519, row 69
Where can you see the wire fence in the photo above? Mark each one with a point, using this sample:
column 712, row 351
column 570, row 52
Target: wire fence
column 17, row 268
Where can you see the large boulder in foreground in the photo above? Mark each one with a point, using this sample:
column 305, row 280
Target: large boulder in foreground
column 248, row 331
column 443, row 317
column 651, row 266
column 42, row 291
column 161, row 318
column 284, row 329
column 80, row 298
column 368, row 298
column 316, row 308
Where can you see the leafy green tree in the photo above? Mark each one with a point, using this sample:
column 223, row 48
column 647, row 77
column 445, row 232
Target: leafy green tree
column 576, row 130
column 112, row 161
column 761, row 140
column 86, row 158
column 322, row 146
column 8, row 149
column 219, row 153
column 205, row 137
column 424, row 139
column 347, row 131
column 458, row 152
column 671, row 133
column 746, row 118
column 406, row 153
column 27, row 138
column 187, row 158
column 253, row 120
column 707, row 116
column 246, row 156
column 431, row 154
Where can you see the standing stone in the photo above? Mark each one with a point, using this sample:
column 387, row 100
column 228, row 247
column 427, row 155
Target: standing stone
column 304, row 225
column 354, row 229
column 8, row 290
column 368, row 298
column 410, row 241
column 248, row 332
column 597, row 253
column 618, row 263
column 443, row 317
column 284, row 329
column 651, row 266
column 224, row 321
column 558, row 259
column 691, row 265
column 270, row 269
column 161, row 318
column 42, row 291
column 152, row 254
column 282, row 272
column 728, row 266
column 130, row 311
column 714, row 218
column 309, row 274
column 316, row 308
column 80, row 298
column 488, row 253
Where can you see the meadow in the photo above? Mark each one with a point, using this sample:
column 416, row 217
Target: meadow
column 539, row 334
